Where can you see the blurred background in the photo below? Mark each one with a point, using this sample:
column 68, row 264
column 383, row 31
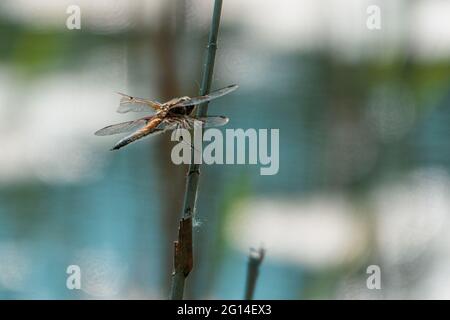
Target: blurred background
column 364, row 149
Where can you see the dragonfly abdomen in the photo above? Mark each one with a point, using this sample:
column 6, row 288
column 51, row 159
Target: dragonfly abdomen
column 149, row 128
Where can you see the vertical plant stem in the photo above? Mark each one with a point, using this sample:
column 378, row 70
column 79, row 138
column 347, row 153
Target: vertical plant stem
column 183, row 259
column 254, row 261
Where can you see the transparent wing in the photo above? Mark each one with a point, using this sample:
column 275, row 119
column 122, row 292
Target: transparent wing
column 213, row 121
column 129, row 103
column 187, row 122
column 122, row 127
column 166, row 125
column 211, row 96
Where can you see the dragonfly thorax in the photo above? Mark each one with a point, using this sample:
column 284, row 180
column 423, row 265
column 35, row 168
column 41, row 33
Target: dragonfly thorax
column 163, row 111
column 176, row 101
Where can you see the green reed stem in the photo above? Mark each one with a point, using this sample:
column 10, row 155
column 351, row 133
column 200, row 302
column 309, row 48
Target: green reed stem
column 183, row 260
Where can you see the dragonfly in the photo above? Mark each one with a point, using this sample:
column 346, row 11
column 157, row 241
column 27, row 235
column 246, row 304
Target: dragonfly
column 171, row 115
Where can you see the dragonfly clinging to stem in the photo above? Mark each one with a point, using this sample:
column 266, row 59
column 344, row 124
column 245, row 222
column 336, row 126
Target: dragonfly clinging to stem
column 171, row 115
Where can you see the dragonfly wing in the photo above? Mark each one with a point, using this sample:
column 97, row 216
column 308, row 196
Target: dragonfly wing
column 167, row 125
column 187, row 122
column 129, row 103
column 206, row 98
column 122, row 127
column 213, row 121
